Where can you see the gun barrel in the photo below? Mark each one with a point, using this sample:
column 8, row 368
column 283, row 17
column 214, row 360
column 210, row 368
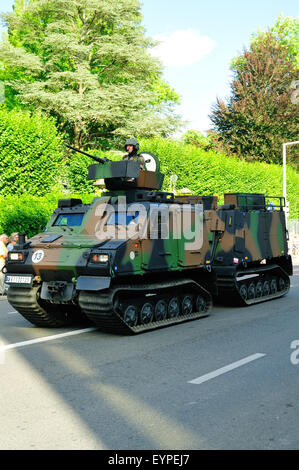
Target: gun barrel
column 97, row 159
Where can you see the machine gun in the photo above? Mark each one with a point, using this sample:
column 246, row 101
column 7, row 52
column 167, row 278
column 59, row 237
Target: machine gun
column 125, row 174
column 97, row 159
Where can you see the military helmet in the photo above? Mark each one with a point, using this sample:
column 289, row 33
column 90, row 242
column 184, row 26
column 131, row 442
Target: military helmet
column 132, row 142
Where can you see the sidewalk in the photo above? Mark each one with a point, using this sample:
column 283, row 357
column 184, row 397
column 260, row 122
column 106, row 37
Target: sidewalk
column 296, row 264
column 295, row 260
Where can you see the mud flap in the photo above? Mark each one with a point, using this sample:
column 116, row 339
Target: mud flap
column 93, row 283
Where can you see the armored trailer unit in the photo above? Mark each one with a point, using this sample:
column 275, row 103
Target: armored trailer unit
column 138, row 258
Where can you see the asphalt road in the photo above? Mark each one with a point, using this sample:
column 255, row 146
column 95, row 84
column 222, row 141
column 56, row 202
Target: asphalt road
column 228, row 381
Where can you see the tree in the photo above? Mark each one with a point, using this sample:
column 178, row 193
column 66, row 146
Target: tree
column 260, row 114
column 285, row 32
column 196, row 138
column 87, row 63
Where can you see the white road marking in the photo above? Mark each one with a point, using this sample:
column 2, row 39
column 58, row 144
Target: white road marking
column 10, row 313
column 223, row 370
column 43, row 339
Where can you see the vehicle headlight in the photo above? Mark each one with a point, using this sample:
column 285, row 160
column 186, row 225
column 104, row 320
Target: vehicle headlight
column 100, row 258
column 14, row 256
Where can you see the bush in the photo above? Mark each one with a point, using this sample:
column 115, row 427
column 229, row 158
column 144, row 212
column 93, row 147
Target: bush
column 205, row 173
column 209, row 173
column 194, row 137
column 26, row 214
column 31, row 153
column 30, row 214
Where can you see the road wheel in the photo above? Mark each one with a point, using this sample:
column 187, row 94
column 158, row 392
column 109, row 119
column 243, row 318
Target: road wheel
column 243, row 291
column 131, row 315
column 273, row 286
column 161, row 310
column 200, row 304
column 281, row 284
column 173, row 307
column 146, row 313
column 251, row 291
column 266, row 288
column 187, row 305
column 259, row 289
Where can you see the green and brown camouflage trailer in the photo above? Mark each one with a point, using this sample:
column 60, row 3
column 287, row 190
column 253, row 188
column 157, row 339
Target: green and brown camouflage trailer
column 138, row 258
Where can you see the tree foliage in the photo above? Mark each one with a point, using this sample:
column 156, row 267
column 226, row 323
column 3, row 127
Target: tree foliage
column 260, row 114
column 197, row 138
column 285, row 32
column 87, row 63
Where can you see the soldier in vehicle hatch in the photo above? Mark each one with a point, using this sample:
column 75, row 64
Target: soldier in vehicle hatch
column 132, row 147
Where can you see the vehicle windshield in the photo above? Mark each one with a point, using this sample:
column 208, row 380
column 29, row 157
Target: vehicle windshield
column 122, row 218
column 71, row 220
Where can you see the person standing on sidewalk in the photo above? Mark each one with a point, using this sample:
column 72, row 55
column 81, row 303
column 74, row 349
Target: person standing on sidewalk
column 3, row 256
column 12, row 241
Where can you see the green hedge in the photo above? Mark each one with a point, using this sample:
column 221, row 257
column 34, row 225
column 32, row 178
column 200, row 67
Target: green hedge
column 202, row 172
column 31, row 153
column 208, row 173
column 30, row 214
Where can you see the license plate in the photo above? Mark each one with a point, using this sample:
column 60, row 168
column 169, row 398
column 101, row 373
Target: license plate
column 19, row 280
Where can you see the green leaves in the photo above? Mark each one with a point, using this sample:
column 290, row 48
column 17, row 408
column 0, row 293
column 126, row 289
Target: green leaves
column 194, row 137
column 260, row 114
column 90, row 67
column 34, row 171
column 31, row 153
column 286, row 32
column 210, row 172
column 29, row 214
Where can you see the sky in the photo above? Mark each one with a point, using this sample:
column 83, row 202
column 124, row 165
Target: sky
column 198, row 40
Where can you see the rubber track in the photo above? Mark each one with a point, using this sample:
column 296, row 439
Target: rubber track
column 98, row 307
column 227, row 286
column 25, row 301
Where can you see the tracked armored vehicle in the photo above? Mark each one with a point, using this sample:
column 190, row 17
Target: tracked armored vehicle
column 138, row 258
